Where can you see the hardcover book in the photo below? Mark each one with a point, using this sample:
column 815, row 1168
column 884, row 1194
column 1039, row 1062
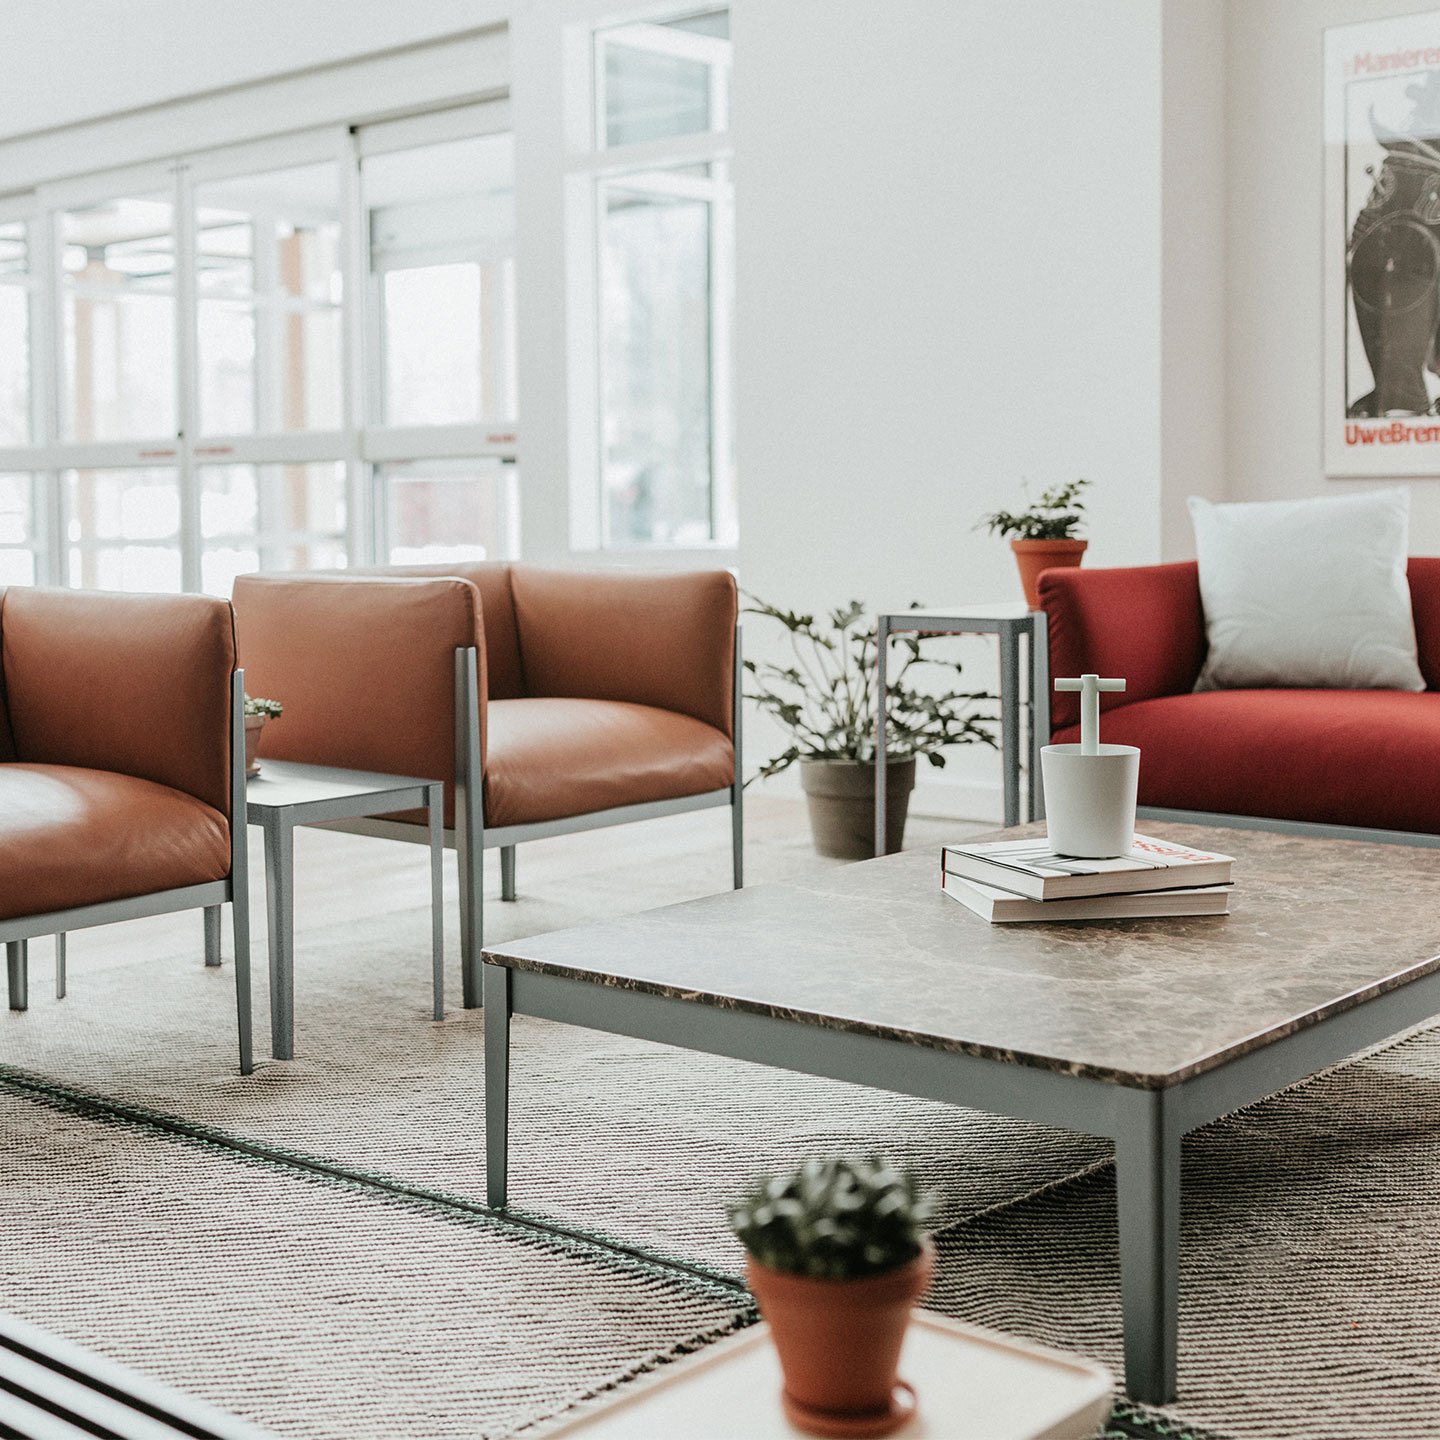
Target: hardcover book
column 1031, row 868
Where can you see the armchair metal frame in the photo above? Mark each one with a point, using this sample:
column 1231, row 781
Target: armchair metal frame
column 234, row 889
column 469, row 837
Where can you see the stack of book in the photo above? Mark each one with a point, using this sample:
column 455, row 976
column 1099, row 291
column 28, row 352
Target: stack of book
column 1011, row 880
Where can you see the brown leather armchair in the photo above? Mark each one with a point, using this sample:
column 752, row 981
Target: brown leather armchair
column 122, row 775
column 548, row 701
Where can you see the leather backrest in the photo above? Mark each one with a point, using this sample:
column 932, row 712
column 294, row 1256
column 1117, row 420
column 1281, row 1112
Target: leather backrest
column 138, row 684
column 7, row 740
column 1143, row 622
column 497, row 607
column 364, row 666
column 1424, row 574
column 653, row 638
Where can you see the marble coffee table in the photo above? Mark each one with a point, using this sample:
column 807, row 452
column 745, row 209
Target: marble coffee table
column 1138, row 1030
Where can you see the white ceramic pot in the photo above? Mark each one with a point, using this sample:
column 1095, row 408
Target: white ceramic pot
column 1090, row 799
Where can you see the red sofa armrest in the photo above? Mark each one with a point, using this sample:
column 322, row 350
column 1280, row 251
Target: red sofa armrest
column 1424, row 577
column 1144, row 623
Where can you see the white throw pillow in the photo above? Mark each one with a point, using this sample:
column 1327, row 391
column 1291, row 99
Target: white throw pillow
column 1307, row 593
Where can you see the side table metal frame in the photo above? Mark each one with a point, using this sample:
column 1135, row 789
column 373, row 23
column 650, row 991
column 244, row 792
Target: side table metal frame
column 278, row 822
column 1009, row 629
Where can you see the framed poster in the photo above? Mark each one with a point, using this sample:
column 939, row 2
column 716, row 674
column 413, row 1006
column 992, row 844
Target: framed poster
column 1382, row 247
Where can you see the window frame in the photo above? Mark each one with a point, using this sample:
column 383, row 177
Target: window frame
column 362, row 447
column 591, row 167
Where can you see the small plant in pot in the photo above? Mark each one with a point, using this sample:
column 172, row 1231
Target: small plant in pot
column 1043, row 533
column 824, row 696
column 257, row 712
column 837, row 1257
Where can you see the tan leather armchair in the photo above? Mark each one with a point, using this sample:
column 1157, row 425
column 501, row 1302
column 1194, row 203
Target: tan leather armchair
column 548, row 701
column 122, row 776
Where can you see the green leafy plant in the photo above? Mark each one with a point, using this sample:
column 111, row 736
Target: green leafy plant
column 825, row 698
column 1056, row 515
column 270, row 709
column 834, row 1219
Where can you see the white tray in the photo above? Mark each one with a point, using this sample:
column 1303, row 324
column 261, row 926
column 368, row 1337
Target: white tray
column 972, row 1384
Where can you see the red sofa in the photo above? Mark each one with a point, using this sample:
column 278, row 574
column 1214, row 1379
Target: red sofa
column 1362, row 758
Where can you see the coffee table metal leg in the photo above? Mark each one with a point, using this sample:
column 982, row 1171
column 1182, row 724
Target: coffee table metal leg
column 497, row 1082
column 61, row 984
column 280, row 916
column 1147, row 1176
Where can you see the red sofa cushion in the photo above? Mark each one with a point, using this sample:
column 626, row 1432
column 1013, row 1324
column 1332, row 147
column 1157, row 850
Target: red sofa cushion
column 1142, row 622
column 1339, row 757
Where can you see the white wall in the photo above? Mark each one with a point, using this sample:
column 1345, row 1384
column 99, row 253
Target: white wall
column 1193, row 458
column 948, row 247
column 1276, row 341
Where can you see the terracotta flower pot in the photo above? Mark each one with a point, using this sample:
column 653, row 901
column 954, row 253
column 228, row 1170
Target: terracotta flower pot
column 254, row 724
column 839, row 1344
column 1034, row 556
column 840, row 795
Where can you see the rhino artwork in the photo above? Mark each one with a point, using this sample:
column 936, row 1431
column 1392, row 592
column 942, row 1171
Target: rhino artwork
column 1393, row 262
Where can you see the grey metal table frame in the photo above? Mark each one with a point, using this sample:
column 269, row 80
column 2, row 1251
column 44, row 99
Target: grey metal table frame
column 353, row 794
column 1146, row 1125
column 1011, row 624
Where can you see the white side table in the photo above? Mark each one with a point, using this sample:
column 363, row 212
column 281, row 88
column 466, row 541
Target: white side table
column 1011, row 623
column 971, row 1384
column 284, row 795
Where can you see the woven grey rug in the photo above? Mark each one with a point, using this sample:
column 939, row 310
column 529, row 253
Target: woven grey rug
column 1311, row 1241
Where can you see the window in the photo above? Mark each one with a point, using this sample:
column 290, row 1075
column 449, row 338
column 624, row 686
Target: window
column 442, row 510
column 196, row 379
column 661, row 209
column 269, row 287
column 17, row 529
column 118, row 307
column 440, row 224
column 123, row 529
column 15, row 281
column 270, row 517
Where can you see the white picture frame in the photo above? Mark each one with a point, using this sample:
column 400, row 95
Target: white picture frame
column 1381, row 407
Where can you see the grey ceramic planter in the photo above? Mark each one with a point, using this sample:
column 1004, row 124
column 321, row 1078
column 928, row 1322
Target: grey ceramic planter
column 841, row 798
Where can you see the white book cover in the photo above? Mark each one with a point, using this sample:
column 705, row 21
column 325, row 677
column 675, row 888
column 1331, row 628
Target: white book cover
column 1001, row 907
column 1030, row 867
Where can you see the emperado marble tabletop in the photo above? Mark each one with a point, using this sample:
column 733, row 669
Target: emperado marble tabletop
column 1316, row 926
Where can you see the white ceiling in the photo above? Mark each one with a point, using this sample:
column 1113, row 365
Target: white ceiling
column 68, row 60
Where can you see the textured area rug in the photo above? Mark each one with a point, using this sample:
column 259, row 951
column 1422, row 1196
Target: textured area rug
column 319, row 1308
column 1311, row 1247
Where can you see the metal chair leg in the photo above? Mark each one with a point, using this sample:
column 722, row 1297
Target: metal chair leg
column 212, row 935
column 60, row 985
column 507, row 872
column 17, row 973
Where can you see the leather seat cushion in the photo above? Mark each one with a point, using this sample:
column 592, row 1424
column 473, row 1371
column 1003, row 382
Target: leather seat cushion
column 552, row 758
column 71, row 837
column 1342, row 757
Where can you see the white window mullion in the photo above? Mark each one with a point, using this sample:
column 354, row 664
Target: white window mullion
column 357, row 327
column 187, row 400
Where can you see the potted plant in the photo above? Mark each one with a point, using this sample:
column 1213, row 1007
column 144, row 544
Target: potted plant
column 837, row 1256
column 825, row 698
column 257, row 712
column 1044, row 533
